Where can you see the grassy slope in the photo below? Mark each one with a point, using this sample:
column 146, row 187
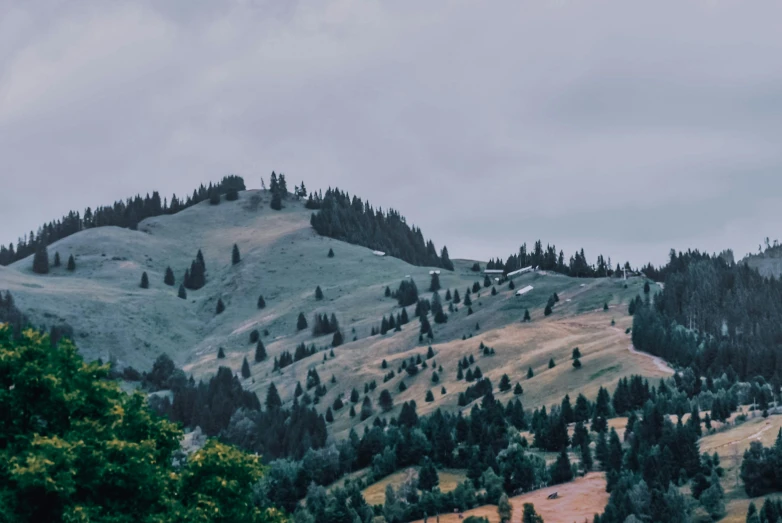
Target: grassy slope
column 283, row 259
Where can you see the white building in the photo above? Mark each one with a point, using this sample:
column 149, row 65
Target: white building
column 520, row 271
column 525, row 290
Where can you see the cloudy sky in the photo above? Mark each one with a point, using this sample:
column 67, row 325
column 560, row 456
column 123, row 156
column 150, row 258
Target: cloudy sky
column 624, row 127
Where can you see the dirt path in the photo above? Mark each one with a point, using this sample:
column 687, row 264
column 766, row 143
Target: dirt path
column 753, row 436
column 659, row 362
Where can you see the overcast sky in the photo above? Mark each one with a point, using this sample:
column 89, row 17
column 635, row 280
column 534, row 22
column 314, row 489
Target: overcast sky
column 624, row 127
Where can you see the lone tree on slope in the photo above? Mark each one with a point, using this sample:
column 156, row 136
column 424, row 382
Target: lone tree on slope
column 261, row 302
column 331, row 253
column 301, row 323
column 235, row 256
column 220, row 306
column 144, row 280
column 245, row 368
column 260, row 352
column 56, row 259
column 41, row 260
column 220, row 353
column 169, row 279
column 182, row 292
column 71, row 263
column 318, row 293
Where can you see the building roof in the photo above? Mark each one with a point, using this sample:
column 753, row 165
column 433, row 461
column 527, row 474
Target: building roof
column 525, row 290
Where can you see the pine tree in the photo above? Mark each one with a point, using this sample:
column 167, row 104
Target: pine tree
column 560, row 470
column 276, row 202
column 526, row 315
column 494, row 291
column 273, row 400
column 504, row 383
column 337, row 339
column 220, row 353
column 352, row 411
column 385, row 401
column 354, row 396
column 486, row 282
column 459, row 374
column 443, row 391
column 435, row 377
column 530, row 374
column 456, row 298
column 301, row 322
column 576, row 354
column 235, row 256
column 547, row 311
column 261, row 302
column 518, row 390
column 366, row 409
column 182, row 292
column 429, row 396
column 220, row 306
column 551, row 363
column 529, row 515
column 504, row 509
column 56, row 259
column 260, row 352
column 71, row 263
column 605, row 306
column 429, row 353
column 467, row 300
column 511, row 285
column 448, row 296
column 144, row 280
column 329, row 415
column 169, row 279
column 427, row 475
column 402, row 387
column 245, row 368
column 434, row 284
column 576, row 363
column 41, row 260
column 331, row 253
column 318, row 293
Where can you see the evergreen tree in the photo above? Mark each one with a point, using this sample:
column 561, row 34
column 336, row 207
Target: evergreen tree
column 560, row 471
column 318, row 293
column 504, row 509
column 144, row 280
column 41, row 260
column 429, row 353
column 402, row 387
column 329, row 415
column 526, row 315
column 276, row 202
column 587, row 463
column 366, row 409
column 459, row 374
column 273, row 400
column 576, row 363
column 352, row 412
column 429, row 396
column 220, row 353
column 448, row 296
column 214, row 199
column 220, row 306
column 517, row 390
column 235, row 256
column 427, row 475
column 354, row 396
column 456, row 298
column 529, row 515
column 434, row 284
column 576, row 353
column 551, row 363
column 169, row 279
column 435, row 378
column 486, row 282
column 511, row 285
column 385, row 401
column 530, row 374
column 301, row 322
column 467, row 300
column 56, row 259
column 337, row 339
column 254, row 336
column 182, row 292
column 261, row 302
column 547, row 311
column 331, row 253
column 494, row 291
column 504, row 383
column 260, row 352
column 245, row 368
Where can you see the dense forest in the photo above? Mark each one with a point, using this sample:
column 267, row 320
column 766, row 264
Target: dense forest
column 356, row 222
column 125, row 214
column 715, row 317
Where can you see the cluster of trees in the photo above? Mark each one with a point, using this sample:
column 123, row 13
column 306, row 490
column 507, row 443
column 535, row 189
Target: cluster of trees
column 195, row 276
column 549, row 259
column 279, row 189
column 357, row 222
column 86, row 450
column 125, row 214
column 761, row 469
column 713, row 317
column 406, row 294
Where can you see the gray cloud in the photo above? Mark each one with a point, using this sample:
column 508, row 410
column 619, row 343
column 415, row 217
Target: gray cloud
column 625, row 129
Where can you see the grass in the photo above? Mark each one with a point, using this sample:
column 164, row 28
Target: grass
column 605, row 371
column 375, row 494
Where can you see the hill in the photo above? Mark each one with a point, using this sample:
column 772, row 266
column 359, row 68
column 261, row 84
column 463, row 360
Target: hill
column 768, row 262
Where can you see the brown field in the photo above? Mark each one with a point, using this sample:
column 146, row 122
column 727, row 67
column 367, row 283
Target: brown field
column 577, row 501
column 375, row 494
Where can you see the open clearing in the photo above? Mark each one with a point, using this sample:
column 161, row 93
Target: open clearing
column 376, row 494
column 576, row 501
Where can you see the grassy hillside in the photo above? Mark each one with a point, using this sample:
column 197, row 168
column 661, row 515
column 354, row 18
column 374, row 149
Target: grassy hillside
column 284, row 260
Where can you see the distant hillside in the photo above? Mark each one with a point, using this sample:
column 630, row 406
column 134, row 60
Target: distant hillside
column 768, row 262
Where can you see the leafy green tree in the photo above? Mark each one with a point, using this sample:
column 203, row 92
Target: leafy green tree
column 529, row 515
column 144, row 280
column 169, row 279
column 235, row 256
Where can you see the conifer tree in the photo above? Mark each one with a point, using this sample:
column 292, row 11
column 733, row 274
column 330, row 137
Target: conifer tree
column 260, row 352
column 385, row 401
column 220, row 353
column 435, row 377
column 352, row 411
column 493, row 291
column 273, row 400
column 354, row 396
column 504, row 383
column 337, row 339
column 41, row 260
column 331, row 253
column 486, row 281
column 434, row 284
column 182, row 292
column 301, row 322
column 276, row 202
column 605, row 306
column 518, row 390
column 551, row 363
column 318, row 293
column 456, row 298
column 429, row 396
column 366, row 409
column 169, row 279
column 329, row 415
column 384, row 364
column 576, row 354
column 57, row 259
column 144, row 280
column 529, row 515
column 254, row 336
column 576, row 363
column 220, row 306
column 511, row 285
column 526, row 315
column 459, row 374
column 261, row 302
column 530, row 374
column 235, row 256
column 245, row 368
column 467, row 300
column 547, row 311
column 402, row 386
column 504, row 509
column 448, row 296
column 560, row 471
column 71, row 263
